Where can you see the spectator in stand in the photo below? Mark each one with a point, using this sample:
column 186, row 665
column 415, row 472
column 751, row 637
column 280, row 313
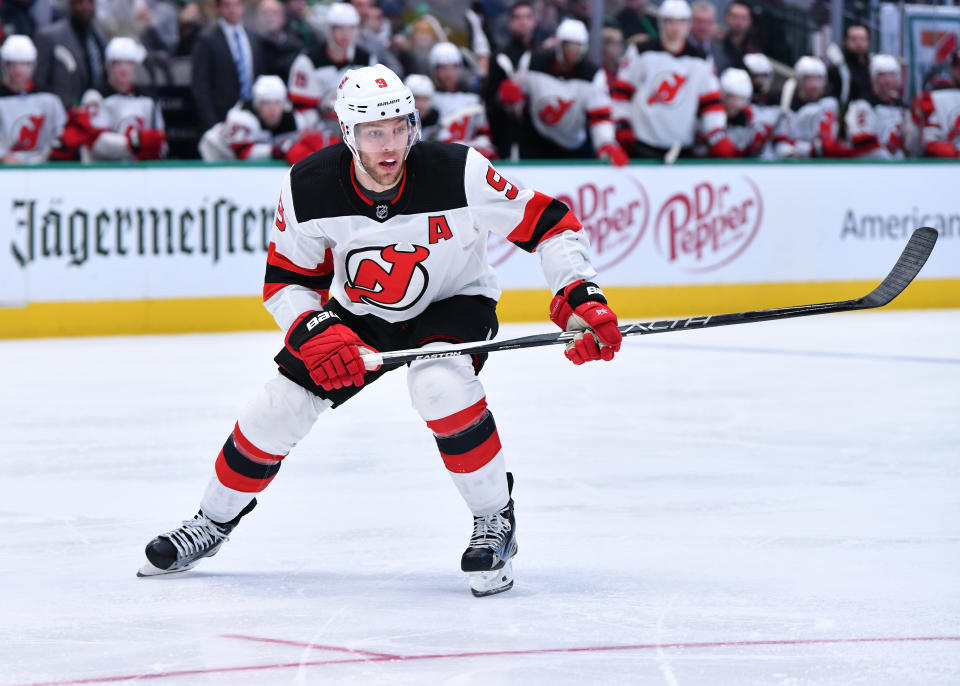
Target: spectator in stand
column 612, row 52
column 504, row 124
column 298, row 24
column 226, row 60
column 849, row 78
column 667, row 95
column 875, row 124
column 26, row 17
column 567, row 113
column 747, row 134
column 703, row 28
column 280, row 46
column 70, row 54
column 316, row 73
column 633, row 20
column 463, row 118
column 189, row 27
column 812, row 127
column 736, row 39
column 937, row 114
column 371, row 37
column 30, row 122
column 129, row 124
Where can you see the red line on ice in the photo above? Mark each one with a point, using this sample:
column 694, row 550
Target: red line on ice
column 486, row 653
column 317, row 646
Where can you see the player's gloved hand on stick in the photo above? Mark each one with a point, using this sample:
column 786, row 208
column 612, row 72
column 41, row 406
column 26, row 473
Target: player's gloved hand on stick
column 510, row 93
column 330, row 350
column 582, row 307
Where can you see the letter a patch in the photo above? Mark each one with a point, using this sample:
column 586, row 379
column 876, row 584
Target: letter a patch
column 439, row 229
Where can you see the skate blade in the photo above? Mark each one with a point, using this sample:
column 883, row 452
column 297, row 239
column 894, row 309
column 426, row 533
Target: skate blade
column 495, row 581
column 149, row 570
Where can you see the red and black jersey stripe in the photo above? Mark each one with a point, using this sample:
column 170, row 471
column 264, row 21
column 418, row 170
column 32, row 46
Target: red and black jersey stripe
column 598, row 115
column 543, row 218
column 282, row 272
column 711, row 102
column 622, row 90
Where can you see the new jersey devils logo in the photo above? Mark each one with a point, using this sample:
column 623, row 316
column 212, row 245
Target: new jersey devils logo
column 386, row 277
column 553, row 113
column 29, row 132
column 667, row 90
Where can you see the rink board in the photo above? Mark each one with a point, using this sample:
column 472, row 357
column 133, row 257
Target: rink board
column 181, row 247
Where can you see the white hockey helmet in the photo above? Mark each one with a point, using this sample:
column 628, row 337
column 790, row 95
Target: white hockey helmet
column 758, row 64
column 810, row 66
column 269, row 87
column 736, row 82
column 572, row 31
column 371, row 94
column 18, row 48
column 123, row 49
column 445, row 53
column 421, row 86
column 342, row 14
column 674, row 9
column 883, row 64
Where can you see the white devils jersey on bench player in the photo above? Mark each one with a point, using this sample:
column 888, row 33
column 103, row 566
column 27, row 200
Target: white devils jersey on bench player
column 463, row 119
column 392, row 259
column 118, row 113
column 30, row 123
column 747, row 133
column 812, row 124
column 561, row 107
column 667, row 98
column 941, row 110
column 314, row 77
column 876, row 129
column 243, row 135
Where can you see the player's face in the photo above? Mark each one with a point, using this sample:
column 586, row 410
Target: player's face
column 381, row 146
column 270, row 111
column 422, row 103
column 447, row 76
column 17, row 75
column 887, row 85
column 734, row 104
column 761, row 82
column 343, row 36
column 570, row 51
column 675, row 31
column 121, row 75
column 811, row 87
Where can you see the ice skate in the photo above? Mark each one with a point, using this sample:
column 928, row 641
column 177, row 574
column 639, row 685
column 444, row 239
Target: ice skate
column 487, row 559
column 182, row 548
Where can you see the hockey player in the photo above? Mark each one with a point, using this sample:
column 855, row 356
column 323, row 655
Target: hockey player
column 129, row 124
column 875, row 123
column 421, row 86
column 463, row 118
column 265, row 128
column 314, row 74
column 396, row 234
column 765, row 104
column 937, row 114
column 666, row 93
column 746, row 133
column 30, row 123
column 565, row 94
column 812, row 127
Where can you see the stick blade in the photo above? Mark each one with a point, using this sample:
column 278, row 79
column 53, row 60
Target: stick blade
column 911, row 261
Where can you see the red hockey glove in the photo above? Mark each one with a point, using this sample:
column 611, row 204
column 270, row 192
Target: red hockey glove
column 78, row 130
column 510, row 93
column 308, row 143
column 625, row 136
column 329, row 350
column 723, row 148
column 614, row 153
column 147, row 144
column 582, row 307
column 940, row 149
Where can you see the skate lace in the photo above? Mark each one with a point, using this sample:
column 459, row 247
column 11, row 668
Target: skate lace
column 489, row 530
column 195, row 535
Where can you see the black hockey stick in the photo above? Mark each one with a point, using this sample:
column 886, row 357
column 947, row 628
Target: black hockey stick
column 911, row 260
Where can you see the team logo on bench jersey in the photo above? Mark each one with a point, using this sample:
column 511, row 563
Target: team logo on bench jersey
column 387, row 277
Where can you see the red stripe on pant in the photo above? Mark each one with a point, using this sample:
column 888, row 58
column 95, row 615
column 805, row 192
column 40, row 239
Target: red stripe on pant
column 243, row 466
column 459, row 421
column 475, row 459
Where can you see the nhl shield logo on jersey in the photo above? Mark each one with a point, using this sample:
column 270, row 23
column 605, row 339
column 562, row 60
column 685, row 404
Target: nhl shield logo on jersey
column 382, row 211
column 387, row 277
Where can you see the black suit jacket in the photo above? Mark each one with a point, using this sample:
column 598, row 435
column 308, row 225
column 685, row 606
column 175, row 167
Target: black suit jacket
column 62, row 62
column 216, row 84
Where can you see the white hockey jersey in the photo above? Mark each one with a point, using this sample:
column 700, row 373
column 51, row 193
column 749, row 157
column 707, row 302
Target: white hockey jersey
column 813, row 129
column 393, row 259
column 939, row 119
column 748, row 134
column 117, row 113
column 667, row 98
column 314, row 77
column 243, row 135
column 462, row 119
column 875, row 129
column 30, row 124
column 562, row 107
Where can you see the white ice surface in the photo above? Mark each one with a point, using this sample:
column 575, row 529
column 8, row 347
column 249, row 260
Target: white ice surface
column 784, row 493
